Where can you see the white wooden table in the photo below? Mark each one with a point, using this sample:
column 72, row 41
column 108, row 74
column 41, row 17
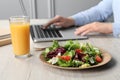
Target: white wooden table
column 32, row 68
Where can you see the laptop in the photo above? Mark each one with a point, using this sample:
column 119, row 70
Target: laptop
column 39, row 34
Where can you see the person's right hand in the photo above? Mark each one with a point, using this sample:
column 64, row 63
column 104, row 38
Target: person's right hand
column 100, row 27
column 60, row 21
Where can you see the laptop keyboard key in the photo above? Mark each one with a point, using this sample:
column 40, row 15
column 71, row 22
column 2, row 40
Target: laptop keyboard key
column 50, row 32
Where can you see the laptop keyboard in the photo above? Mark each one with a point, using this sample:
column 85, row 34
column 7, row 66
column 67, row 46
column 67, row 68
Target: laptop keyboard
column 50, row 32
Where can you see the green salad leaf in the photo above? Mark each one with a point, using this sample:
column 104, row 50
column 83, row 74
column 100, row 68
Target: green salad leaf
column 70, row 53
column 64, row 63
column 71, row 45
column 55, row 44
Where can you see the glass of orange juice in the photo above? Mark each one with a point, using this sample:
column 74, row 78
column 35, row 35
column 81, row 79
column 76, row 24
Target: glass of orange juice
column 20, row 34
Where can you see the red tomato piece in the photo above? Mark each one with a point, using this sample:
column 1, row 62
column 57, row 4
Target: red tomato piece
column 66, row 58
column 98, row 58
column 78, row 51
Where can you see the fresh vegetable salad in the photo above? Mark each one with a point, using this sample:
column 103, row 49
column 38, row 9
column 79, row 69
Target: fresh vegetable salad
column 73, row 54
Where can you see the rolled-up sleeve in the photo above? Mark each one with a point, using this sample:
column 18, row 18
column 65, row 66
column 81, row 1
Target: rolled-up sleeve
column 116, row 30
column 116, row 14
column 99, row 12
column 87, row 16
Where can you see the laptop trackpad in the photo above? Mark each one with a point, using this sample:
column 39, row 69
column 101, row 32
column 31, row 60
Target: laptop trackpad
column 69, row 32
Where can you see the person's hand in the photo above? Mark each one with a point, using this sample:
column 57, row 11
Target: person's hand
column 60, row 21
column 94, row 27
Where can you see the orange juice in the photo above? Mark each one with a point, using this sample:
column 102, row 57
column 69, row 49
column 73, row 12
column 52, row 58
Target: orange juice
column 20, row 33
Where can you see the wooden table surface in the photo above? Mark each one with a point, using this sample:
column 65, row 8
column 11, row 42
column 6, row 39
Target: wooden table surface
column 32, row 68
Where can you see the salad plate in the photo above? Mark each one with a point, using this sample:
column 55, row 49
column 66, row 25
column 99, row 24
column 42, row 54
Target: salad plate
column 105, row 56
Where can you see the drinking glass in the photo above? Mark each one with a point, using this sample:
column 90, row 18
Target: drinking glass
column 20, row 34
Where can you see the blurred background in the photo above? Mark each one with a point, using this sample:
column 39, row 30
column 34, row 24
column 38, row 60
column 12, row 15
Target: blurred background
column 44, row 8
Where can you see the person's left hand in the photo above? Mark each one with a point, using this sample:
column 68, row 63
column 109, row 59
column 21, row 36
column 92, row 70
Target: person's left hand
column 94, row 27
